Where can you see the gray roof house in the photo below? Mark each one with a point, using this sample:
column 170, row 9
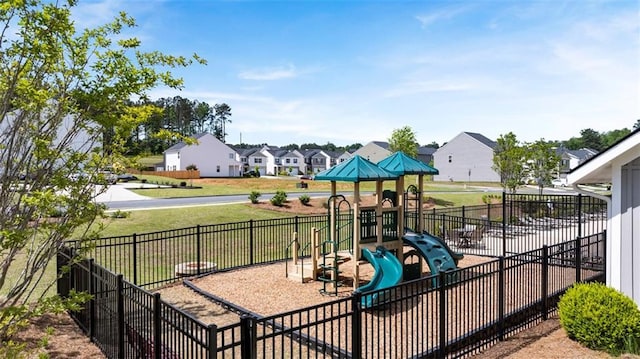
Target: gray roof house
column 570, row 159
column 619, row 166
column 466, row 157
column 346, row 155
column 374, row 151
column 425, row 154
column 212, row 157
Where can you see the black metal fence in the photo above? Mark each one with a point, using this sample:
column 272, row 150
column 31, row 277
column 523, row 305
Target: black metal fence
column 472, row 309
column 452, row 314
column 519, row 224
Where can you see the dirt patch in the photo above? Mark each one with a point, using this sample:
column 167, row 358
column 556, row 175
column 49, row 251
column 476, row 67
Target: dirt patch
column 62, row 336
column 318, row 205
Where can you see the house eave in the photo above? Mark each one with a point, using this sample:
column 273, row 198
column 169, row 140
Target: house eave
column 598, row 169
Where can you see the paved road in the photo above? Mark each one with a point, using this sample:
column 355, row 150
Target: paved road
column 119, row 197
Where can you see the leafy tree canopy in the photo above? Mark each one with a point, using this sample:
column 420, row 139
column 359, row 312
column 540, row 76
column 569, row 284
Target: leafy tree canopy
column 65, row 114
column 404, row 139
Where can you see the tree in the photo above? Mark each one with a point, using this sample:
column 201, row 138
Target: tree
column 636, row 125
column 404, row 139
column 508, row 161
column 542, row 162
column 591, row 139
column 61, row 89
column 611, row 137
column 222, row 114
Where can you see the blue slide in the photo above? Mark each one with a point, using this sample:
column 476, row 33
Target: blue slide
column 388, row 273
column 430, row 248
column 455, row 255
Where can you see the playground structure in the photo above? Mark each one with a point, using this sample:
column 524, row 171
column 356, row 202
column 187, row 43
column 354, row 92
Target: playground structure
column 373, row 233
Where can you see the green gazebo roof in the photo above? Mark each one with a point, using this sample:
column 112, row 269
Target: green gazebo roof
column 356, row 169
column 401, row 164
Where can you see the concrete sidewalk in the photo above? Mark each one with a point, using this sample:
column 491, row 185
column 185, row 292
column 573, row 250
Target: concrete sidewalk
column 121, row 192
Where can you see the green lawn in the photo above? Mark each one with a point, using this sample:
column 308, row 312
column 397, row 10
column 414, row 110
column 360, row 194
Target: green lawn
column 174, row 218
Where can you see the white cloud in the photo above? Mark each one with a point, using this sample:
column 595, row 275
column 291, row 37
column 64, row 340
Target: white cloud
column 429, row 19
column 270, row 74
column 416, row 87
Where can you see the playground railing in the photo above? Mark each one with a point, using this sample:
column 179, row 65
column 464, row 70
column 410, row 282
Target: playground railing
column 452, row 314
column 518, row 224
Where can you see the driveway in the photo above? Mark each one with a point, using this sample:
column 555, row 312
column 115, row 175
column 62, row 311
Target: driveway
column 119, row 192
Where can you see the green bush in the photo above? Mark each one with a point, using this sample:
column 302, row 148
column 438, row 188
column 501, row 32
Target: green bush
column 600, row 317
column 253, row 196
column 120, row 214
column 304, row 199
column 279, row 198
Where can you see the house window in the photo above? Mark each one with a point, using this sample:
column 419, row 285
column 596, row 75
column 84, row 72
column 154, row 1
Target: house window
column 244, row 160
column 450, row 158
column 295, row 160
column 257, row 160
column 217, row 168
column 231, row 156
column 178, row 154
column 288, row 160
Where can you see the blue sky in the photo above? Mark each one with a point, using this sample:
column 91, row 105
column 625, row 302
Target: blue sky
column 353, row 71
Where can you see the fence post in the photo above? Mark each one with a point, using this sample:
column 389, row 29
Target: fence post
column 198, row 256
column 157, row 326
column 501, row 298
column 92, row 302
column 296, row 218
column 578, row 258
column 212, row 343
column 443, row 314
column 545, row 282
column 120, row 314
column 580, row 211
column 251, row 241
column 247, row 337
column 464, row 219
column 135, row 259
column 504, row 223
column 356, row 326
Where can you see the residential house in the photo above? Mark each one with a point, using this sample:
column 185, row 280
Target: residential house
column 618, row 166
column 570, row 159
column 258, row 160
column 210, row 155
column 467, row 157
column 425, row 154
column 374, row 151
column 293, row 163
column 344, row 157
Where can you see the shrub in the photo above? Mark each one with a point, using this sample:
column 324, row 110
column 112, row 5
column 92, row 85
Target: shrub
column 600, row 317
column 253, row 196
column 279, row 198
column 183, row 184
column 120, row 214
column 304, row 199
column 192, row 167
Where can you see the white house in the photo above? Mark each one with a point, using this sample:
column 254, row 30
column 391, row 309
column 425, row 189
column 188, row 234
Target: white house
column 344, row 157
column 260, row 161
column 374, row 151
column 619, row 166
column 293, row 162
column 210, row 155
column 467, row 157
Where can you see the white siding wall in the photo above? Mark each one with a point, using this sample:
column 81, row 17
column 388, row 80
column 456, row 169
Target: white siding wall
column 212, row 157
column 171, row 161
column 465, row 159
column 623, row 236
